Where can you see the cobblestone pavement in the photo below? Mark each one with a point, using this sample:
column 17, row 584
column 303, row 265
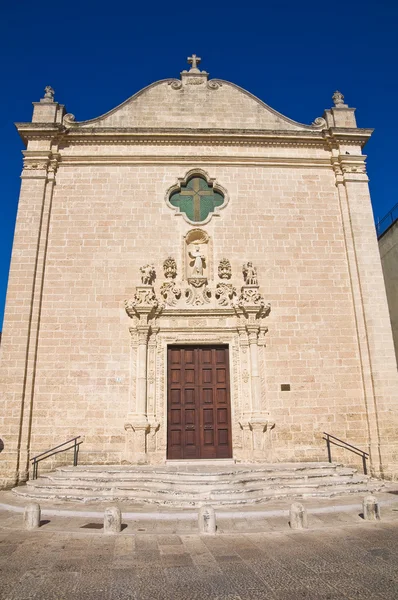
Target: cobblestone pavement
column 343, row 561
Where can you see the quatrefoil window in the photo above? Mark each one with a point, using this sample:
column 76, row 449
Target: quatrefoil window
column 196, row 198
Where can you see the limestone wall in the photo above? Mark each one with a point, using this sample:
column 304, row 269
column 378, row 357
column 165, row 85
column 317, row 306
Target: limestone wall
column 93, row 211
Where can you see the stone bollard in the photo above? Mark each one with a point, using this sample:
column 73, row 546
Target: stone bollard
column 31, row 516
column 298, row 516
column 371, row 509
column 112, row 520
column 207, row 520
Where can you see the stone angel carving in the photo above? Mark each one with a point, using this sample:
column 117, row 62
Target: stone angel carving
column 49, row 93
column 148, row 274
column 250, row 274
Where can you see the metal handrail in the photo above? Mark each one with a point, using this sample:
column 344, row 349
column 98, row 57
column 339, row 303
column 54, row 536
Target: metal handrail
column 386, row 222
column 46, row 454
column 347, row 446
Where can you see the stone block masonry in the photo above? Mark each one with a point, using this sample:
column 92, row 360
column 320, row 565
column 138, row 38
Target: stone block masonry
column 94, row 209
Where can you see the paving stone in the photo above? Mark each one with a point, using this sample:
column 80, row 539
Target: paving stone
column 327, row 564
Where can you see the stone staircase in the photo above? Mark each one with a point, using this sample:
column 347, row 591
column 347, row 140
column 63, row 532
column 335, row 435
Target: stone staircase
column 189, row 484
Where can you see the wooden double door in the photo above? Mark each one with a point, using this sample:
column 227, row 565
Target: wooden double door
column 198, row 402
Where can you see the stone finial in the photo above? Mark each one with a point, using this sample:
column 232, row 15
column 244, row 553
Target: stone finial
column 371, row 509
column 224, row 269
column 207, row 520
column 148, row 274
column 170, row 268
column 48, row 94
column 194, row 61
column 338, row 98
column 31, row 516
column 249, row 274
column 112, row 520
column 298, row 516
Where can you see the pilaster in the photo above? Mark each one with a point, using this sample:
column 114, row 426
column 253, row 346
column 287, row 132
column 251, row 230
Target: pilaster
column 23, row 313
column 251, row 311
column 375, row 344
column 142, row 309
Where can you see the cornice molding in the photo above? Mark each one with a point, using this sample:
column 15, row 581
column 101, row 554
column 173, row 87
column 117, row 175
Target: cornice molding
column 174, row 136
column 195, row 160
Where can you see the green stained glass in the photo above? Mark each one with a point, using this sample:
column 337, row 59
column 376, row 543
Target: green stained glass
column 196, row 199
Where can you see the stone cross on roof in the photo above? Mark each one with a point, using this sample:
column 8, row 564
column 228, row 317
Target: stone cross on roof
column 194, row 61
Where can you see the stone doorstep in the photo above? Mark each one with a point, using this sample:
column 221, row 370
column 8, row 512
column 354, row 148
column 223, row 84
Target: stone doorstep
column 213, row 462
column 169, row 499
column 193, row 477
column 248, row 484
column 197, row 466
column 162, row 487
column 190, row 482
column 232, row 487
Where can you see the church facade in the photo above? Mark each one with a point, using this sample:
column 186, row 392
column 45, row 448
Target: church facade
column 195, row 276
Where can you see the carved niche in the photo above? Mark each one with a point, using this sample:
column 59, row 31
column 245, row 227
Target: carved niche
column 197, row 267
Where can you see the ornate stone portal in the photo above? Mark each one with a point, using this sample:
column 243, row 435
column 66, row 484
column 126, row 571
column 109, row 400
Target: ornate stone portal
column 197, row 310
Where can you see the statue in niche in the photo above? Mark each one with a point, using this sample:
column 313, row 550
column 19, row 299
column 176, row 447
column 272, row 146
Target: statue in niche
column 148, row 274
column 197, row 263
column 249, row 274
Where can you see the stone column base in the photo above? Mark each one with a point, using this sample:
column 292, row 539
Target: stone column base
column 256, row 431
column 136, row 442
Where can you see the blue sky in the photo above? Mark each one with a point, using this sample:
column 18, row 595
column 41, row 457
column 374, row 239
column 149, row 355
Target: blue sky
column 293, row 55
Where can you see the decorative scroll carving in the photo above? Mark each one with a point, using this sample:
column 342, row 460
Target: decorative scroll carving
column 170, row 292
column 176, row 84
column 224, row 293
column 353, row 168
column 69, row 120
column 53, row 166
column 249, row 274
column 224, row 269
column 144, row 296
column 197, row 294
column 148, row 274
column 250, row 295
column 170, row 268
column 320, row 122
column 33, row 166
column 214, row 85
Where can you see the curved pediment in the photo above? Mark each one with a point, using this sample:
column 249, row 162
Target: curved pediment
column 194, row 103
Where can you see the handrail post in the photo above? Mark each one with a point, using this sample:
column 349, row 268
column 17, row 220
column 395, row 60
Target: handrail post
column 43, row 455
column 75, row 453
column 365, row 470
column 329, row 448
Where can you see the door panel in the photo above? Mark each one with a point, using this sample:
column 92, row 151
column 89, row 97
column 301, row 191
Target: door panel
column 199, row 420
